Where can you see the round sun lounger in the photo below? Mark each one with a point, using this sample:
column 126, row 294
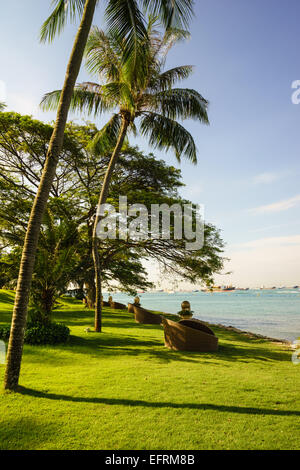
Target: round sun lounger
column 145, row 317
column 189, row 335
column 117, row 306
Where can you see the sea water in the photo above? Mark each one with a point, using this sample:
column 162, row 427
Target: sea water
column 274, row 313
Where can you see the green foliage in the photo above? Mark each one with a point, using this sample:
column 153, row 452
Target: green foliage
column 50, row 333
column 40, row 333
column 64, row 251
column 139, row 89
column 125, row 19
column 185, row 312
column 63, row 9
column 4, row 332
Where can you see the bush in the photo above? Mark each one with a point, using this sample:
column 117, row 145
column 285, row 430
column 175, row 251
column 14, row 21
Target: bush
column 39, row 333
column 4, row 332
column 50, row 333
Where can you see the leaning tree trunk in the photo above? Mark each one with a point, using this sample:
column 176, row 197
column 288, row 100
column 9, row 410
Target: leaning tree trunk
column 15, row 347
column 102, row 200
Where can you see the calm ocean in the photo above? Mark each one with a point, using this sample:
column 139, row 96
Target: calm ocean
column 274, row 313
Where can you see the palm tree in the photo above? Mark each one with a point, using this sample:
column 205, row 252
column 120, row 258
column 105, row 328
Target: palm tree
column 146, row 99
column 2, row 106
column 126, row 19
column 15, row 347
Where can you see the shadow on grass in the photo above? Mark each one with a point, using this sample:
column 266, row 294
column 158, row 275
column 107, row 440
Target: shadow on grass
column 147, row 404
column 246, row 351
column 25, row 433
column 130, row 346
column 104, row 345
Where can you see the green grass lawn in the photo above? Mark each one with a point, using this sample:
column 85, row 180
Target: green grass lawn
column 123, row 389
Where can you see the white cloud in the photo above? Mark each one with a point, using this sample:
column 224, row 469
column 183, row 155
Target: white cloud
column 266, row 178
column 273, row 261
column 270, row 242
column 277, row 206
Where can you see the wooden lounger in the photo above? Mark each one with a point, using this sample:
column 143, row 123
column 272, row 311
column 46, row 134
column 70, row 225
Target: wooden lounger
column 189, row 335
column 117, row 306
column 130, row 308
column 145, row 317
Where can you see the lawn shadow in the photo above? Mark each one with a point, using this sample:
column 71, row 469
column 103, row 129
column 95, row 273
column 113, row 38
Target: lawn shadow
column 25, row 433
column 248, row 353
column 147, row 404
column 154, row 348
column 150, row 348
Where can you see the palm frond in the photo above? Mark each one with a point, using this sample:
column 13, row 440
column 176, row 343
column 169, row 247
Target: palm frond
column 55, row 23
column 101, row 59
column 113, row 94
column 179, row 103
column 127, row 23
column 172, row 13
column 171, row 37
column 83, row 100
column 167, row 79
column 105, row 140
column 2, row 106
column 164, row 133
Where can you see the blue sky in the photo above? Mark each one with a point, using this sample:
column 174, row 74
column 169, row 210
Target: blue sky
column 246, row 56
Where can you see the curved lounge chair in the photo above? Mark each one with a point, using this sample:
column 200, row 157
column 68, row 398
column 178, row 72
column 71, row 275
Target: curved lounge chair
column 117, row 306
column 130, row 308
column 145, row 317
column 189, row 335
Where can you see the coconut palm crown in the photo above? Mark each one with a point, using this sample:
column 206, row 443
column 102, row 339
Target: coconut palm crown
column 147, row 100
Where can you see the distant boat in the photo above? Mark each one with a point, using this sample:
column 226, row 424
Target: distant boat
column 220, row 289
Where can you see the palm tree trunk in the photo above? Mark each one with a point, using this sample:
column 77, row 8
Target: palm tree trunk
column 15, row 347
column 102, row 200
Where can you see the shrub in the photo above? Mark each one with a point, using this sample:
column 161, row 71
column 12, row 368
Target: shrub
column 49, row 333
column 40, row 333
column 4, row 332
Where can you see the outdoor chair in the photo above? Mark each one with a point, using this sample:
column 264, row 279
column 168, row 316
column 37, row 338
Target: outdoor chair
column 117, row 306
column 189, row 335
column 145, row 317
